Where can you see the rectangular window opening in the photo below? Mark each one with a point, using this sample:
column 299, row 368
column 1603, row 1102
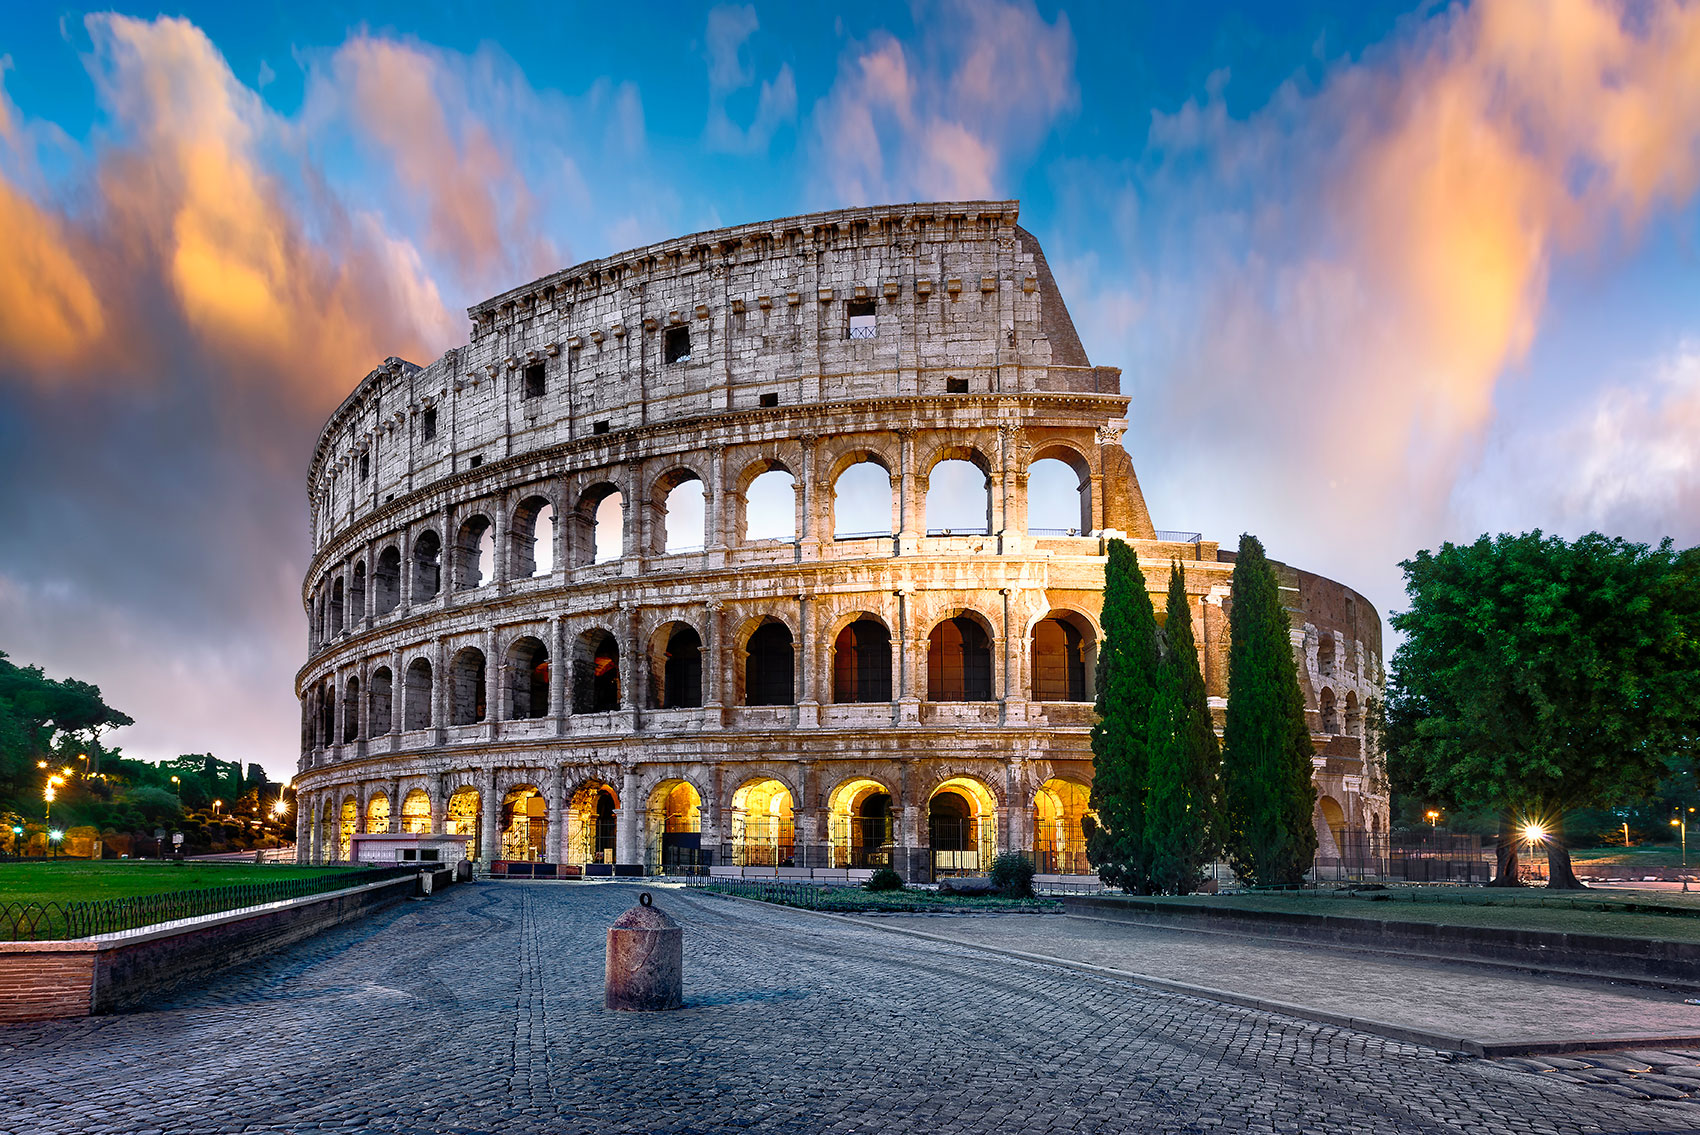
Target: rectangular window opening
column 365, row 466
column 769, row 400
column 862, row 323
column 676, row 345
column 956, row 386
column 477, row 460
column 430, row 421
column 534, row 381
column 599, row 427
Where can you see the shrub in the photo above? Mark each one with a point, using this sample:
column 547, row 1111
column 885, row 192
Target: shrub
column 1012, row 873
column 885, row 879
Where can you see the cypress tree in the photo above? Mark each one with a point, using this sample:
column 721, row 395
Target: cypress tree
column 1126, row 677
column 1266, row 749
column 1183, row 757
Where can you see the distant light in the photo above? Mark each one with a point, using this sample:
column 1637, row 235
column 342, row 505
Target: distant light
column 1534, row 833
column 55, row 834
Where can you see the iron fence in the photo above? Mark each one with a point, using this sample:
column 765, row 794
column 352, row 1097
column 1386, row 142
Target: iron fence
column 36, row 921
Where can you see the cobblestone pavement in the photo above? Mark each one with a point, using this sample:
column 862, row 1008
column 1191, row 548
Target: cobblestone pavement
column 480, row 1011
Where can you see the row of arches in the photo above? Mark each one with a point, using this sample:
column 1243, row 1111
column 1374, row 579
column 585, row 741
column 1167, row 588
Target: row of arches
column 1336, row 716
column 959, row 668
column 861, row 829
column 863, row 499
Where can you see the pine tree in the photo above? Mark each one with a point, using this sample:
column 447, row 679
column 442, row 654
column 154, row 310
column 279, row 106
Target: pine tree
column 1183, row 757
column 1126, row 677
column 1266, row 749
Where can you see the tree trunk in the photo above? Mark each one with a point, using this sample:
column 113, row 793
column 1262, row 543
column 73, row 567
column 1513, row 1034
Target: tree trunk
column 1561, row 875
column 1505, row 853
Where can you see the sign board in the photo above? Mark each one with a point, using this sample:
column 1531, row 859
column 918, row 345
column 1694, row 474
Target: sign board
column 159, row 833
column 177, row 838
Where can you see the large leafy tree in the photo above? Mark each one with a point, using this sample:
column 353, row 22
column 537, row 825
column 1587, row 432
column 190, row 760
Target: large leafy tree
column 1538, row 676
column 1126, row 680
column 1268, row 798
column 42, row 718
column 1182, row 756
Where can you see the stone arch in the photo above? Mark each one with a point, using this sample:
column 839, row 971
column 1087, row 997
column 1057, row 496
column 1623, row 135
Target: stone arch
column 327, row 713
column 862, row 823
column 1354, row 715
column 957, row 481
column 348, row 821
column 357, row 595
column 961, row 823
column 1325, row 654
column 1063, row 657
column 531, row 537
column 767, row 669
column 1060, row 805
column 960, row 652
column 860, row 507
column 427, row 566
column 763, row 824
column 379, row 699
column 1331, row 822
column 1328, row 716
column 378, row 812
column 475, row 553
column 467, row 687
column 675, row 666
column 596, row 530
column 673, row 831
column 416, row 697
column 596, row 672
column 862, row 660
column 767, row 502
column 679, row 503
column 528, row 678
column 524, row 823
column 592, row 823
column 1059, row 491
column 327, row 831
column 463, row 815
column 351, row 710
column 336, row 624
column 416, row 812
column 386, row 580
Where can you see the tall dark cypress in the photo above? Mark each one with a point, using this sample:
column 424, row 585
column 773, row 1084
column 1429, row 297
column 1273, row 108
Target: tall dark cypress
column 1266, row 749
column 1126, row 677
column 1182, row 756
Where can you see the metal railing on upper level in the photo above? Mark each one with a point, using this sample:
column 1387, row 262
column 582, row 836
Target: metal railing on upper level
column 1174, row 536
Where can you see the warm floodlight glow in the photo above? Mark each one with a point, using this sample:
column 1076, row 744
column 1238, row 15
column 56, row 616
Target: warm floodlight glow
column 1534, row 833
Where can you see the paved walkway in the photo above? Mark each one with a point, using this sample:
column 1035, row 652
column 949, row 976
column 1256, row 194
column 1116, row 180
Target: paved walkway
column 480, row 1011
column 1491, row 1006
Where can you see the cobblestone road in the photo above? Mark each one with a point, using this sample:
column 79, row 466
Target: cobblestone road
column 480, row 1011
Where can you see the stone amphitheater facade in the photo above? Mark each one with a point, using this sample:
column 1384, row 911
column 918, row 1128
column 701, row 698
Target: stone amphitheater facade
column 510, row 642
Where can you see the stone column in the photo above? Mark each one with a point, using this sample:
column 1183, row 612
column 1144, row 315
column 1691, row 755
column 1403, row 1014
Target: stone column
column 499, row 561
column 552, row 784
column 398, row 684
column 447, row 557
column 440, row 689
column 440, row 794
column 560, row 705
column 808, row 705
column 636, row 657
column 908, row 688
column 716, row 502
column 492, row 686
column 909, row 520
column 713, row 693
column 810, row 514
column 560, row 534
column 370, row 599
column 490, row 814
column 626, row 848
column 404, row 585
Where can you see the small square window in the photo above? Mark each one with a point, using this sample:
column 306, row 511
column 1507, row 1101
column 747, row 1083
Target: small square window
column 477, row 460
column 534, row 381
column 599, row 427
column 956, row 386
column 430, row 424
column 389, row 499
column 861, row 319
column 769, row 400
column 676, row 345
column 365, row 466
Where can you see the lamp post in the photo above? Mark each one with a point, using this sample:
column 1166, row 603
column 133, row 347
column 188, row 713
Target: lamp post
column 217, row 804
column 1626, row 833
column 54, row 835
column 1433, row 819
column 1681, row 824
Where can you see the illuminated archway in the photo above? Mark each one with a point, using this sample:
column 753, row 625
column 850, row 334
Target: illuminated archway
column 1059, row 838
column 961, row 816
column 416, row 813
column 378, row 813
column 462, row 818
column 525, row 824
column 861, row 819
column 763, row 829
column 674, row 845
column 349, row 820
column 592, row 825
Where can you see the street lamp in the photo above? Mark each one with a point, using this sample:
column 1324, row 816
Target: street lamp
column 217, row 804
column 54, row 835
column 1681, row 824
column 177, row 787
column 49, row 794
column 1433, row 818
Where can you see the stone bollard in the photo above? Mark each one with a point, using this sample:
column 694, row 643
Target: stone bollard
column 646, row 960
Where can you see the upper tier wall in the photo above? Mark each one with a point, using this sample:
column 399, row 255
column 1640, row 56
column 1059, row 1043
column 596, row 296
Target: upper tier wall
column 961, row 300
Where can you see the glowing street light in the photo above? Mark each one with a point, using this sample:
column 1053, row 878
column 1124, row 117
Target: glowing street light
column 1433, row 818
column 54, row 835
column 1534, row 833
column 217, row 804
column 1681, row 824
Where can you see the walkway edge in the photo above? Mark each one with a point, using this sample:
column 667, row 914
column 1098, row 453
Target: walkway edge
column 1469, row 1046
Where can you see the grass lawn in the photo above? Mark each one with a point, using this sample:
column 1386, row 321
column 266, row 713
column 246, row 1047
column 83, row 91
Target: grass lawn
column 1668, row 915
column 84, row 880
column 1650, row 855
column 856, row 900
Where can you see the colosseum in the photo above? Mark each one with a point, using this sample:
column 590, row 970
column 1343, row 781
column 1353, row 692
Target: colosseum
column 777, row 549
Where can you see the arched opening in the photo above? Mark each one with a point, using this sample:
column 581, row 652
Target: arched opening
column 357, row 596
column 531, row 539
column 769, row 666
column 675, row 667
column 681, row 513
column 336, row 608
column 763, row 830
column 1334, row 819
column 861, row 500
column 416, row 700
column 596, row 672
column 861, row 662
column 378, row 813
column 327, row 714
column 466, row 687
column 1354, row 716
column 378, row 701
column 675, row 829
column 525, row 824
column 592, row 825
column 416, row 812
column 959, row 498
column 1325, row 654
column 960, row 823
column 1328, row 713
column 462, row 817
column 528, row 678
column 427, row 566
column 959, row 661
column 1064, row 656
column 599, row 531
column 1059, row 495
column 347, row 822
column 475, row 554
column 327, row 833
column 386, row 581
column 861, row 816
column 769, row 509
column 351, row 711
column 1059, row 836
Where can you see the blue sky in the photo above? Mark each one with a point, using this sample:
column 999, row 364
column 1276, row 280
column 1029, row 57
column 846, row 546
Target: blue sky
column 1377, row 276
